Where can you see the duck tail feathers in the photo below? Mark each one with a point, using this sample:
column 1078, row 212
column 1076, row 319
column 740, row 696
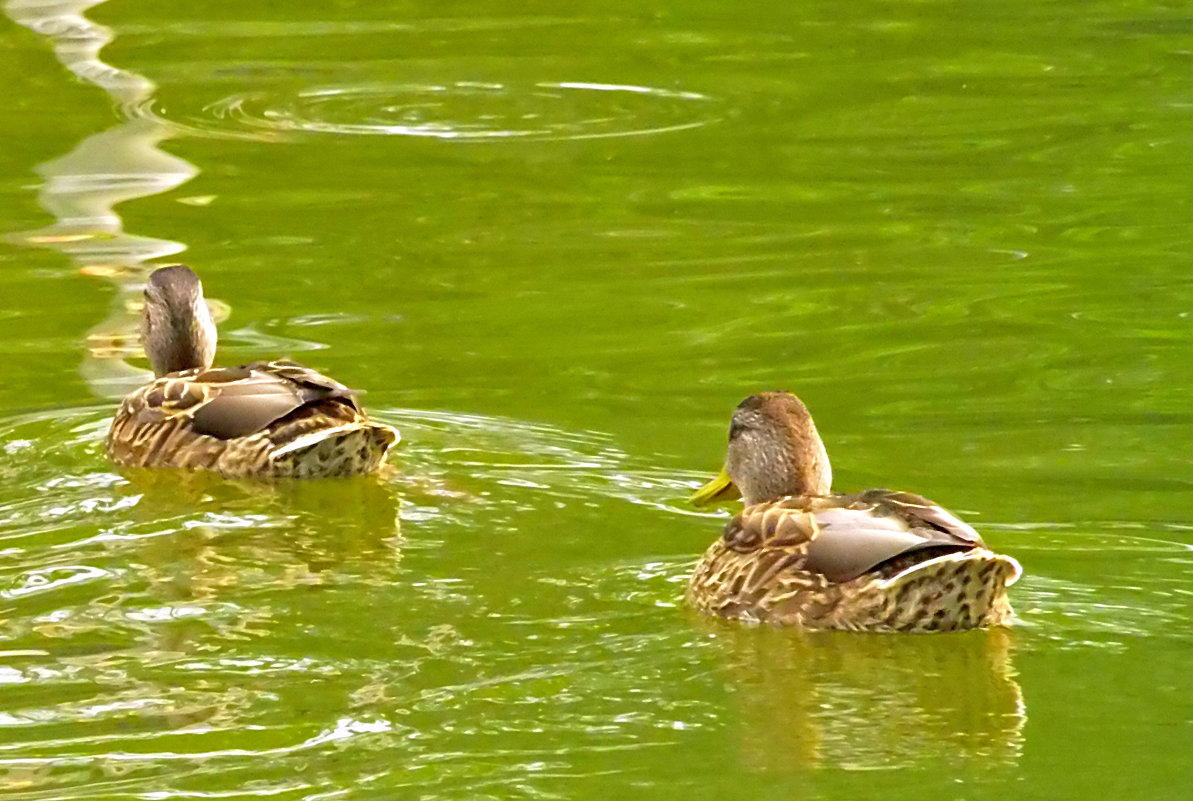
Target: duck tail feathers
column 346, row 450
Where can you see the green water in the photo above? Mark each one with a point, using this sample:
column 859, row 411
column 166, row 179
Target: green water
column 556, row 246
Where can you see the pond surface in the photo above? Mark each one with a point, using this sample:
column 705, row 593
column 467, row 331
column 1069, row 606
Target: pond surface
column 556, row 246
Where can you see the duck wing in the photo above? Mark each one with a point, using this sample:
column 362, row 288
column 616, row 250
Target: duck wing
column 845, row 536
column 232, row 402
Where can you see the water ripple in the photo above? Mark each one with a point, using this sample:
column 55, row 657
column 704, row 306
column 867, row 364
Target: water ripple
column 36, row 582
column 464, row 111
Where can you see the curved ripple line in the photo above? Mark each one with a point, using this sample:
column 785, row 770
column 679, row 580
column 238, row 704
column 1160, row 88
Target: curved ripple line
column 146, row 110
column 37, row 582
column 621, row 87
column 345, row 728
column 463, row 110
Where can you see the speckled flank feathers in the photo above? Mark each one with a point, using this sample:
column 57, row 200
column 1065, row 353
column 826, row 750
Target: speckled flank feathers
column 951, row 592
column 346, row 451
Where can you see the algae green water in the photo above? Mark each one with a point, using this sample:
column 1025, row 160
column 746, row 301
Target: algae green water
column 556, row 245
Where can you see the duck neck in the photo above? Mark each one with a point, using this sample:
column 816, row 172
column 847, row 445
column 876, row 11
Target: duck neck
column 182, row 339
column 799, row 467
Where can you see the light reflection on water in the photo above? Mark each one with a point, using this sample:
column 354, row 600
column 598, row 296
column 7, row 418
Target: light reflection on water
column 82, row 189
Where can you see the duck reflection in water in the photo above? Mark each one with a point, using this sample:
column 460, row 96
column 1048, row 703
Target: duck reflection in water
column 206, row 583
column 221, row 542
column 809, row 699
column 302, row 532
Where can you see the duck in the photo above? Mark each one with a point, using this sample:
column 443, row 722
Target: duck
column 799, row 554
column 267, row 419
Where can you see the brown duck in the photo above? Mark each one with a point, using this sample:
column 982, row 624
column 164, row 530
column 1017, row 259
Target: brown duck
column 801, row 555
column 264, row 420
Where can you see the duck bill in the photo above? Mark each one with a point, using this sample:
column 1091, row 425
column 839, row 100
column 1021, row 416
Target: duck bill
column 718, row 490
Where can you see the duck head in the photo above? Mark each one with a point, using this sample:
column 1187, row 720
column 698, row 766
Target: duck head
column 774, row 451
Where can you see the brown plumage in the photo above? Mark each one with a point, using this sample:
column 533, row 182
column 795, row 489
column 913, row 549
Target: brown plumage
column 267, row 419
column 801, row 555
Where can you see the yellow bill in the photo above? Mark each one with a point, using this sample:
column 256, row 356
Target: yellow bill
column 719, row 489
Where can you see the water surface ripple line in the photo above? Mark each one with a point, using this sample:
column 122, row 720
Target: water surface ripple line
column 344, row 729
column 460, row 111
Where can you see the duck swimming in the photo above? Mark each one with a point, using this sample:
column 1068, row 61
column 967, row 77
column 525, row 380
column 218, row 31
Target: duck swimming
column 273, row 419
column 802, row 555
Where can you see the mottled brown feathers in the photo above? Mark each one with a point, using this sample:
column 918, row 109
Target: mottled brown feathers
column 876, row 560
column 267, row 419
